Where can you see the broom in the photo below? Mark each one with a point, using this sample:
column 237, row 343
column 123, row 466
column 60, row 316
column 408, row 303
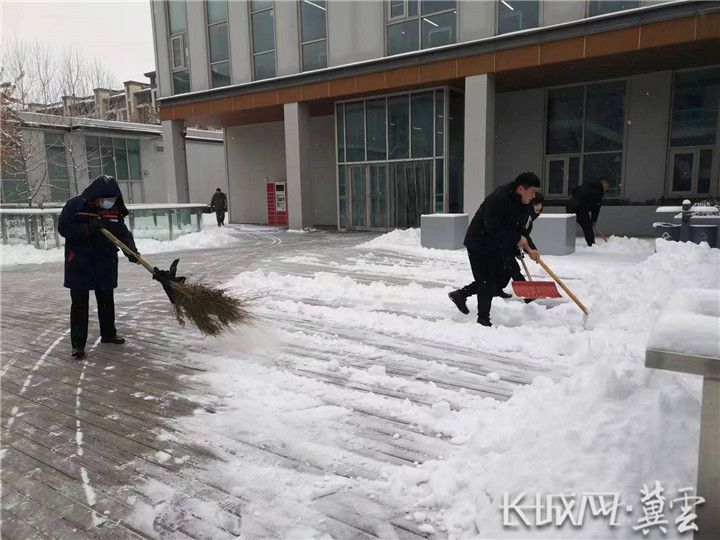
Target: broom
column 210, row 309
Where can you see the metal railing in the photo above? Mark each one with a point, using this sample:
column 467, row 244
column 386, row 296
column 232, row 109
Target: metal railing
column 39, row 227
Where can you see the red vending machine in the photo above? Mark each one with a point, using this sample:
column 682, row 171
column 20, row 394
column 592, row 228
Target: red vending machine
column 277, row 203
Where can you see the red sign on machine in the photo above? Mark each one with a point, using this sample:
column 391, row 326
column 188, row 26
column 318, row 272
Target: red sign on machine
column 277, row 203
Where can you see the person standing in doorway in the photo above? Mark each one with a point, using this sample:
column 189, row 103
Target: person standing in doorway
column 91, row 261
column 218, row 204
column 492, row 233
column 585, row 204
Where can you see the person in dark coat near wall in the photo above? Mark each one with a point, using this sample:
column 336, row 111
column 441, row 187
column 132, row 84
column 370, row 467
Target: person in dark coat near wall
column 493, row 233
column 218, row 204
column 91, row 261
column 585, row 203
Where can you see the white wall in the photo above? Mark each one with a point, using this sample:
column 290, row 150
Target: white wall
column 322, row 170
column 239, row 35
column 356, row 31
column 476, row 20
column 197, row 36
column 561, row 11
column 206, row 169
column 162, row 54
column 287, row 49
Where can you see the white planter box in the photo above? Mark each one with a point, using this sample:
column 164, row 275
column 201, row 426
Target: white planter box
column 443, row 231
column 554, row 234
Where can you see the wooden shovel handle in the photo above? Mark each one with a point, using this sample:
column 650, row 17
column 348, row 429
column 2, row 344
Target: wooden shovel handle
column 600, row 233
column 110, row 236
column 527, row 272
column 563, row 286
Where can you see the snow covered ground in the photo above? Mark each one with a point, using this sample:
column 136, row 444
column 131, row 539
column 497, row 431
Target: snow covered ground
column 363, row 381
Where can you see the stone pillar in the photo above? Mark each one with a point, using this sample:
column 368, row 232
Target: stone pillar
column 176, row 174
column 478, row 179
column 297, row 165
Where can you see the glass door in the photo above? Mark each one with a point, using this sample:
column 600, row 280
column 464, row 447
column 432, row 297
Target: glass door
column 358, row 218
column 378, row 197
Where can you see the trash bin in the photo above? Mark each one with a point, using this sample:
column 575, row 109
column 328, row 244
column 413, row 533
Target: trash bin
column 667, row 231
column 704, row 233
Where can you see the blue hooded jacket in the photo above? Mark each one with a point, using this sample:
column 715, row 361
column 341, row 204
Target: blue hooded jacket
column 91, row 260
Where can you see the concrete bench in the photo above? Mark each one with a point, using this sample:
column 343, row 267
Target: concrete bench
column 686, row 339
column 443, row 231
column 554, row 234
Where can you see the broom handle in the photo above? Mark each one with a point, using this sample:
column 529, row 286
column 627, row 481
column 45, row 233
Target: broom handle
column 600, row 233
column 527, row 272
column 563, row 286
column 110, row 236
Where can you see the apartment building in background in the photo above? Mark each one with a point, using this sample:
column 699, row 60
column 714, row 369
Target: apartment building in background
column 363, row 115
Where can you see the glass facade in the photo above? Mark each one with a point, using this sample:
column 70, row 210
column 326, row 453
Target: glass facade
column 218, row 45
column 262, row 21
column 179, row 46
column 313, row 34
column 13, row 182
column 514, row 15
column 57, row 166
column 393, row 160
column 693, row 132
column 584, row 138
column 117, row 157
column 420, row 24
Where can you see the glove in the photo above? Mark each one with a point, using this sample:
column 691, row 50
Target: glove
column 133, row 260
column 95, row 225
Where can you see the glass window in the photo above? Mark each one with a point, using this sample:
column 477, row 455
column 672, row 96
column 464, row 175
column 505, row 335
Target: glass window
column 121, row 161
column 56, row 156
column 556, row 177
column 438, row 30
column 107, row 156
column 177, row 16
column 695, row 107
column 133, row 149
column 376, row 129
column 257, row 5
column 218, row 37
column 421, row 133
column 403, row 37
column 264, row 65
column 217, row 10
column 312, row 13
column 314, row 55
column 604, row 116
column 704, row 171
column 683, row 172
column 600, row 7
column 439, row 186
column 263, row 31
column 178, row 51
column 355, row 131
column 604, row 167
column 564, row 120
column 181, row 82
column 397, row 8
column 434, row 6
column 342, row 203
column 220, row 74
column 340, row 119
column 92, row 151
column 439, row 123
column 514, row 15
column 398, row 128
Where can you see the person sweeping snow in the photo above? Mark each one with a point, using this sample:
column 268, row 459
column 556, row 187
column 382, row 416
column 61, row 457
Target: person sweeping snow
column 91, row 262
column 494, row 232
column 585, row 204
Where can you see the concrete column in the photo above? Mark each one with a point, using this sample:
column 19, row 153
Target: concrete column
column 176, row 174
column 238, row 32
column 287, row 38
column 162, row 53
column 197, row 38
column 297, row 165
column 479, row 140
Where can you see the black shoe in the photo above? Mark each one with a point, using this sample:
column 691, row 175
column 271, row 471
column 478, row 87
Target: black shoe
column 78, row 352
column 503, row 294
column 117, row 340
column 528, row 300
column 460, row 301
column 485, row 321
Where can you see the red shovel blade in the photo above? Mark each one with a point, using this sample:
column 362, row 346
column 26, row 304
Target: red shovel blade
column 535, row 289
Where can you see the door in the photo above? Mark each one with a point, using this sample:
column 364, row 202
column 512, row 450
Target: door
column 378, row 197
column 358, row 206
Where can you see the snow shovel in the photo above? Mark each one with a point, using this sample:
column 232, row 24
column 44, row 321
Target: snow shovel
column 534, row 289
column 210, row 309
column 563, row 286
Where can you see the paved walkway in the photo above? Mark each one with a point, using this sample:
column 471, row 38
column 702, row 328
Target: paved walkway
column 79, row 439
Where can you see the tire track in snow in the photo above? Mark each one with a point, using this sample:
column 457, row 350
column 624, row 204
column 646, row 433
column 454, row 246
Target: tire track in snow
column 87, row 486
column 28, row 379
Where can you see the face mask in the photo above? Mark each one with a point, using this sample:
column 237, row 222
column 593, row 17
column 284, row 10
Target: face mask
column 106, row 205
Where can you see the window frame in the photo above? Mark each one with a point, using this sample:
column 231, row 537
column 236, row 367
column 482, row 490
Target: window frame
column 541, row 6
column 589, row 3
column 392, row 21
column 208, row 25
column 582, row 153
column 185, row 43
column 310, row 42
column 694, row 149
column 253, row 54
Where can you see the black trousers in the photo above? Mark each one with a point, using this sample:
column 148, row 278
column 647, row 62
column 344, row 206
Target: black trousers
column 79, row 315
column 220, row 215
column 511, row 272
column 583, row 219
column 489, row 273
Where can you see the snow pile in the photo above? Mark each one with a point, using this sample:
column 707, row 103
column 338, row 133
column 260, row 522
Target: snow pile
column 612, row 425
column 619, row 245
column 206, row 239
column 689, row 324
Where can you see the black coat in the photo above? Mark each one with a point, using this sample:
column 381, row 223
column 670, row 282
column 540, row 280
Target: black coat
column 91, row 261
column 496, row 227
column 587, row 197
column 218, row 203
column 528, row 225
